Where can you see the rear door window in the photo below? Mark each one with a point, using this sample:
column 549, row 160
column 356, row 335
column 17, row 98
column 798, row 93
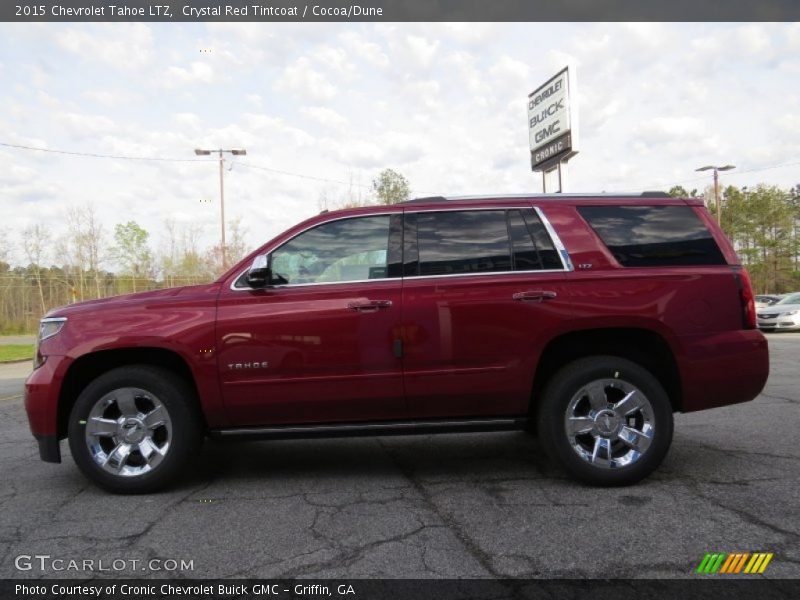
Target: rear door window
column 458, row 242
column 654, row 236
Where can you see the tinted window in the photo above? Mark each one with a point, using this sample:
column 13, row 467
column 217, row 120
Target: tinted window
column 346, row 250
column 462, row 242
column 526, row 258
column 544, row 245
column 654, row 236
column 410, row 251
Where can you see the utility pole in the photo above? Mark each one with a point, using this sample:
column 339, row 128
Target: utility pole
column 222, row 209
column 238, row 152
column 716, row 186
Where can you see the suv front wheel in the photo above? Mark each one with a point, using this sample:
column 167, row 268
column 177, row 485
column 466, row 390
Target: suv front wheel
column 606, row 420
column 133, row 429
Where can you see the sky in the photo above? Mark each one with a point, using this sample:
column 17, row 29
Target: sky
column 322, row 108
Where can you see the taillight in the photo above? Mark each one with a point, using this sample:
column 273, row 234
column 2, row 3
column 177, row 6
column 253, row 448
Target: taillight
column 746, row 298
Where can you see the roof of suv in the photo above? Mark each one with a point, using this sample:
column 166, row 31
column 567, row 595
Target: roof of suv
column 436, row 202
column 489, row 197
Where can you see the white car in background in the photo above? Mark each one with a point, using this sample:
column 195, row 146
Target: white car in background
column 784, row 315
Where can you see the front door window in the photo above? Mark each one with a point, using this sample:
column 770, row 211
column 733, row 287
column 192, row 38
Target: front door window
column 338, row 251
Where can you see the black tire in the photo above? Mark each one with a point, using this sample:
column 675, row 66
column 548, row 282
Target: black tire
column 566, row 384
column 186, row 430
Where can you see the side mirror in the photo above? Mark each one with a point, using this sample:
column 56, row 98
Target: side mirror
column 259, row 275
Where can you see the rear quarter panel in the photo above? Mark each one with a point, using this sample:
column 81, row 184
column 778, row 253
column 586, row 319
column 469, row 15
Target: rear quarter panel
column 696, row 310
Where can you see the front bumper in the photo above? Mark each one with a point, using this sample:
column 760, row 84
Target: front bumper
column 779, row 324
column 49, row 448
column 42, row 390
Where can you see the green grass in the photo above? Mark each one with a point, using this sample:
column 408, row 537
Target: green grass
column 16, row 352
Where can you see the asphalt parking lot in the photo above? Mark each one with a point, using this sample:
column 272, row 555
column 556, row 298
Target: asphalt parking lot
column 468, row 505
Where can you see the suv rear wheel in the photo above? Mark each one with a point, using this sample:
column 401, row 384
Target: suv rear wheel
column 133, row 429
column 606, row 420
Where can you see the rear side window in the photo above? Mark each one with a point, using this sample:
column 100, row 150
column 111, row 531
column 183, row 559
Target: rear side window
column 654, row 236
column 533, row 248
column 463, row 242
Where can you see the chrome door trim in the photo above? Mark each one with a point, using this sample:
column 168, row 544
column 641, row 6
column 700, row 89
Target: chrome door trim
column 562, row 250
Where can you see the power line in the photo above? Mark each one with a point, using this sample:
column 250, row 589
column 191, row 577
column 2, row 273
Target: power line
column 788, row 164
column 729, row 174
column 95, row 155
column 167, row 159
column 314, row 178
column 311, row 177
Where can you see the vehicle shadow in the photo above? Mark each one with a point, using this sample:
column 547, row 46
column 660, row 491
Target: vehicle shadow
column 432, row 457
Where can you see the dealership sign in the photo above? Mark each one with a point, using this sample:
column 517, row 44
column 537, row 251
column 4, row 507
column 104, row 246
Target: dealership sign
column 552, row 124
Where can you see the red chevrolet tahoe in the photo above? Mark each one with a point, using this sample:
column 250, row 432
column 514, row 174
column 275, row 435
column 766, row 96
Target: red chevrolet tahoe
column 587, row 320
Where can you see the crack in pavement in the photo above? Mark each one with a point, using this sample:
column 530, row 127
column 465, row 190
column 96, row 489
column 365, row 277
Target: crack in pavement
column 748, row 517
column 784, row 398
column 477, row 553
column 739, row 451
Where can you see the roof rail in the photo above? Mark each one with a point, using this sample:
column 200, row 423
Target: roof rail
column 426, row 199
column 647, row 194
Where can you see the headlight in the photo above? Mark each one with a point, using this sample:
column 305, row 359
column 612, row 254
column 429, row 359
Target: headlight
column 48, row 327
column 790, row 313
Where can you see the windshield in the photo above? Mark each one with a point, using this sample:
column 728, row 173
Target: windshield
column 790, row 299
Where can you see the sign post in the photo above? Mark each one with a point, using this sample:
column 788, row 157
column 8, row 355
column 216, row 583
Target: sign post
column 553, row 127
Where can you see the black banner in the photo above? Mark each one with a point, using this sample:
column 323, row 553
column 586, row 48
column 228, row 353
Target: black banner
column 401, row 589
column 398, row 10
column 547, row 156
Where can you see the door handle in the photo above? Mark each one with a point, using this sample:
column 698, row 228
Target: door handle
column 369, row 305
column 534, row 296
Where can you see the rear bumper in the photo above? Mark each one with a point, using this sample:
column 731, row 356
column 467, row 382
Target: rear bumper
column 722, row 368
column 42, row 391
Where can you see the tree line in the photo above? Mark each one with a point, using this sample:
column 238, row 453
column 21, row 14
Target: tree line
column 763, row 222
column 87, row 261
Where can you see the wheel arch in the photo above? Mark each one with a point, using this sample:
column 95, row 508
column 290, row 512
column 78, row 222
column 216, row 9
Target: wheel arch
column 645, row 347
column 88, row 367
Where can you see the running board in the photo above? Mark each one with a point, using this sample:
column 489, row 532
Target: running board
column 371, row 428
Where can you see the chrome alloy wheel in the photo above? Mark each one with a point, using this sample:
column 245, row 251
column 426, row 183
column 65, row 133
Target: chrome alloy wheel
column 128, row 432
column 610, row 423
